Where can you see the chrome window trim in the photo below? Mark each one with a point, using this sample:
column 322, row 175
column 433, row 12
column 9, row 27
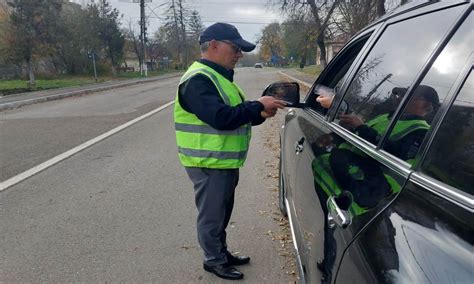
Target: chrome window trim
column 382, row 157
column 443, row 190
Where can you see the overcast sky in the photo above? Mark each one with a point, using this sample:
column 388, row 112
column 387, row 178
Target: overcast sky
column 249, row 16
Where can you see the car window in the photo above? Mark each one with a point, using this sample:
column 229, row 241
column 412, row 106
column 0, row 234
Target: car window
column 414, row 122
column 334, row 77
column 451, row 156
column 390, row 67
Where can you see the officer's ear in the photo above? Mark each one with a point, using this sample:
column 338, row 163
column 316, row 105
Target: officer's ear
column 213, row 44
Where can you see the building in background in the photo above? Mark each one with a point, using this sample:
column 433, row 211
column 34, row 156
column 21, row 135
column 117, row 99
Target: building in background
column 333, row 46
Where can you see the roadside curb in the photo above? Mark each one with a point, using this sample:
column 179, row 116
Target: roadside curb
column 81, row 92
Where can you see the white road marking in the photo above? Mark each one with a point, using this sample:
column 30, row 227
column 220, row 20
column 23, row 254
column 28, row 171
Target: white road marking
column 20, row 177
column 294, row 79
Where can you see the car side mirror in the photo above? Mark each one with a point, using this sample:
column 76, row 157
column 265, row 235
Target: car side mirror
column 288, row 92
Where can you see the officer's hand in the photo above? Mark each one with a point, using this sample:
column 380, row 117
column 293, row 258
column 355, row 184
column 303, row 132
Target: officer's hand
column 270, row 103
column 324, row 140
column 268, row 114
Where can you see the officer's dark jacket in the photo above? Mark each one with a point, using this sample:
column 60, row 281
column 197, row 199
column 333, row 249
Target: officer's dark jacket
column 199, row 95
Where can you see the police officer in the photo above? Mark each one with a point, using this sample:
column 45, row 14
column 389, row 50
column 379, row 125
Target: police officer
column 410, row 129
column 213, row 125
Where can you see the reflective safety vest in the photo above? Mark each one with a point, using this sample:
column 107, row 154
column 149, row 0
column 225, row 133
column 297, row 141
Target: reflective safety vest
column 201, row 145
column 401, row 129
column 323, row 175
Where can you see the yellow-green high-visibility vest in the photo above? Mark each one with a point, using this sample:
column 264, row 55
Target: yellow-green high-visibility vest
column 201, row 145
column 323, row 174
column 401, row 129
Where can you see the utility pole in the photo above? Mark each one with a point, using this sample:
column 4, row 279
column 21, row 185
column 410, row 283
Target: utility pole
column 369, row 95
column 144, row 68
column 143, row 35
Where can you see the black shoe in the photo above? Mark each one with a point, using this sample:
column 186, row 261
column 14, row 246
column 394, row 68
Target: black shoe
column 237, row 260
column 321, row 266
column 224, row 271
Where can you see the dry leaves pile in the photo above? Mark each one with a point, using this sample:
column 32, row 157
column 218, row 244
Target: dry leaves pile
column 283, row 235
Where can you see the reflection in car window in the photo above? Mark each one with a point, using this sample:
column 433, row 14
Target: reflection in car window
column 389, row 69
column 413, row 124
column 451, row 156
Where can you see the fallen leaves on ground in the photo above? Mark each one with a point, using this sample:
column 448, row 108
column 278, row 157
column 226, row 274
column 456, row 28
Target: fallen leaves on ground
column 283, row 235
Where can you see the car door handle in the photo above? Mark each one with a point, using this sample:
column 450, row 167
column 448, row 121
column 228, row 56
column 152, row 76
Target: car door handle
column 299, row 146
column 337, row 215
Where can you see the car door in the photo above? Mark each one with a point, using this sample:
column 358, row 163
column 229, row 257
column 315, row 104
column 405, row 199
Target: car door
column 343, row 177
column 304, row 125
column 425, row 236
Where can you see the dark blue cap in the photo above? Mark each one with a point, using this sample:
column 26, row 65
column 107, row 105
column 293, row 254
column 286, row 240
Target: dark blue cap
column 223, row 31
column 422, row 91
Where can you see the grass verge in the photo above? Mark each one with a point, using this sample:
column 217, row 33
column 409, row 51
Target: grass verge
column 8, row 87
column 311, row 69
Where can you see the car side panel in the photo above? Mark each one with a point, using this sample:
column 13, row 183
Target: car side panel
column 420, row 238
column 289, row 138
column 309, row 211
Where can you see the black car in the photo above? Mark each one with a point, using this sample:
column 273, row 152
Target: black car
column 379, row 187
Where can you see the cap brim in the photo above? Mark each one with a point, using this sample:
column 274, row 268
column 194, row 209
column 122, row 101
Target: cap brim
column 399, row 91
column 245, row 45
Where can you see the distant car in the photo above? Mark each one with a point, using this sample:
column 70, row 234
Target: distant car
column 258, row 65
column 378, row 186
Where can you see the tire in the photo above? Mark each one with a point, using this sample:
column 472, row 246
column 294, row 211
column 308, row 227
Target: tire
column 281, row 190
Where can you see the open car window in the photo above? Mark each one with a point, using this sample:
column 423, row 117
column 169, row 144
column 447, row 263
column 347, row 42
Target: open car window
column 335, row 76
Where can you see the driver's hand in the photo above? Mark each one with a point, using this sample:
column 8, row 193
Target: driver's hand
column 270, row 103
column 325, row 100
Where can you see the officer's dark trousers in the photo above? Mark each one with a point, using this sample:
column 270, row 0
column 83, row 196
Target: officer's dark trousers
column 214, row 197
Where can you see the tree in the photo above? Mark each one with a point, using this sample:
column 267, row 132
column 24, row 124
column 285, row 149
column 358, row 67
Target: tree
column 4, row 31
column 106, row 21
column 76, row 40
column 132, row 42
column 299, row 38
column 196, row 26
column 33, row 28
column 172, row 31
column 195, row 29
column 180, row 32
column 271, row 43
column 321, row 11
column 351, row 16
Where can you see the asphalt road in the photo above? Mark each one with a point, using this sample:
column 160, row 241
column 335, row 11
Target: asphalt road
column 123, row 209
column 35, row 133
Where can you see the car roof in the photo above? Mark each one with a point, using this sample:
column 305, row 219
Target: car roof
column 421, row 5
